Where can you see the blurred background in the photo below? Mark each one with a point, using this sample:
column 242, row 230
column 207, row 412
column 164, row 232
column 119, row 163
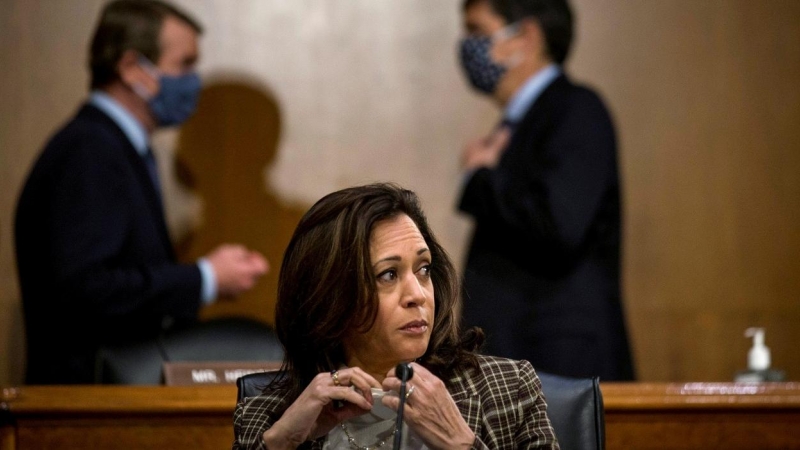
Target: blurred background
column 303, row 97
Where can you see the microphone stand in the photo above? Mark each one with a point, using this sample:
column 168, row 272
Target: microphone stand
column 404, row 372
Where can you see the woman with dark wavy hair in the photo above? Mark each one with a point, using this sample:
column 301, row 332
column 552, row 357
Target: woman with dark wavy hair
column 365, row 286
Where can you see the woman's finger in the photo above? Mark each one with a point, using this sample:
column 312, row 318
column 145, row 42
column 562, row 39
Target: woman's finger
column 357, row 377
column 349, row 395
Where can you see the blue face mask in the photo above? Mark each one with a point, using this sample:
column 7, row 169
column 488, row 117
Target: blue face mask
column 177, row 96
column 177, row 99
column 482, row 72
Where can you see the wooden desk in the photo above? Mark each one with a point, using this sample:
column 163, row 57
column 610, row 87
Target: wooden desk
column 702, row 415
column 114, row 417
column 638, row 416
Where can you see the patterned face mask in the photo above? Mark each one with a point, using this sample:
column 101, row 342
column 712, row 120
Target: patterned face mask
column 482, row 72
column 177, row 96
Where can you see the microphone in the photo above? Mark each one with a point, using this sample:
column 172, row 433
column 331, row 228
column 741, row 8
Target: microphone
column 404, row 372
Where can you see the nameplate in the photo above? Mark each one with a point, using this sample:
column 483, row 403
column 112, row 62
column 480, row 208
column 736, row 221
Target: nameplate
column 193, row 373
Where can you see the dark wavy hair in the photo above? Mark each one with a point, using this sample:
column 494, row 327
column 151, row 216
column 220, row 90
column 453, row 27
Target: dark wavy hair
column 129, row 25
column 326, row 288
column 555, row 17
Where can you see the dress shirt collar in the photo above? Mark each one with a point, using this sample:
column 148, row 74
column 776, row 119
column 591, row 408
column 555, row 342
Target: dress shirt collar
column 522, row 100
column 123, row 118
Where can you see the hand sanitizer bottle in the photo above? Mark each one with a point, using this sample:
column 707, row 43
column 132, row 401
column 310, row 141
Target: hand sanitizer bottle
column 758, row 360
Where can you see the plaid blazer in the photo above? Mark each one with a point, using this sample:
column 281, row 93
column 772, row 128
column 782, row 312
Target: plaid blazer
column 502, row 403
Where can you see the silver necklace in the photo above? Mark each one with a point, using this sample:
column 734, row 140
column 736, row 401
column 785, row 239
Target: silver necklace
column 355, row 445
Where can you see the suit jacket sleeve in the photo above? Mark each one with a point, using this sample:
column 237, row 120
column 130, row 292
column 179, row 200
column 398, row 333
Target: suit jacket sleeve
column 513, row 410
column 253, row 416
column 244, row 438
column 552, row 178
column 536, row 431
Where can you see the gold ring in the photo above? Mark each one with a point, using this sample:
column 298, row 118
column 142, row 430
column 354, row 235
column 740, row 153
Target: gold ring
column 335, row 376
column 410, row 391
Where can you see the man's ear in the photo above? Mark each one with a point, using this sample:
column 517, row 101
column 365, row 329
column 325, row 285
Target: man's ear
column 135, row 76
column 128, row 68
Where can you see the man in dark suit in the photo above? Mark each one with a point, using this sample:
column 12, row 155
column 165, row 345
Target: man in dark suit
column 543, row 270
column 96, row 265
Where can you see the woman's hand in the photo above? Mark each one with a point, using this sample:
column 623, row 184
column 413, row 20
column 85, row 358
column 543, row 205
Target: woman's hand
column 313, row 414
column 430, row 411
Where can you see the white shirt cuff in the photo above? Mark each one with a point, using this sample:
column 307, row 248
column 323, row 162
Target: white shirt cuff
column 208, row 291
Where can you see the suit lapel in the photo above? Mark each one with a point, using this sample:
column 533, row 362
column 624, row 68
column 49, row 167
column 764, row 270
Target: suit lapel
column 546, row 98
column 139, row 169
column 522, row 154
column 467, row 400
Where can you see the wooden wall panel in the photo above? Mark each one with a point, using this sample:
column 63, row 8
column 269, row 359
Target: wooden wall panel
column 707, row 103
column 704, row 95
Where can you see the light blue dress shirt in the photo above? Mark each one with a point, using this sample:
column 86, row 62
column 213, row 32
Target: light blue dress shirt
column 137, row 135
column 521, row 101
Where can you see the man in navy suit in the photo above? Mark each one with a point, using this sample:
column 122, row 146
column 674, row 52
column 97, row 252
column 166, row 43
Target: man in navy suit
column 542, row 276
column 96, row 265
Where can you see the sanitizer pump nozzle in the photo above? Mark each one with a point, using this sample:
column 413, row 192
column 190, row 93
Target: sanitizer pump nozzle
column 758, row 358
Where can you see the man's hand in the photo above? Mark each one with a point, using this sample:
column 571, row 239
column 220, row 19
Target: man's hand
column 236, row 268
column 485, row 152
